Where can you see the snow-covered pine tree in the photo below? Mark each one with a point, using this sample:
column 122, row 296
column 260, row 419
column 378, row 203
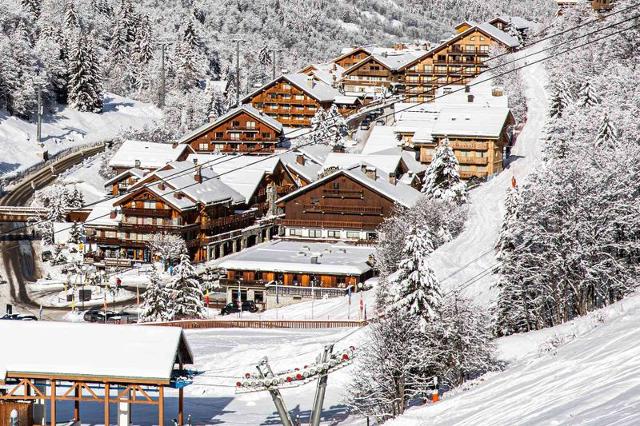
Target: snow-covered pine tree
column 416, row 289
column 189, row 60
column 607, row 134
column 155, row 300
column 33, row 7
column 560, row 99
column 187, row 300
column 167, row 247
column 71, row 19
column 587, row 96
column 85, row 81
column 76, row 233
column 442, row 178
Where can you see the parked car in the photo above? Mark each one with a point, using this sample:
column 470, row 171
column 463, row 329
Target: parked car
column 127, row 317
column 380, row 122
column 97, row 315
column 232, row 308
column 18, row 317
column 365, row 125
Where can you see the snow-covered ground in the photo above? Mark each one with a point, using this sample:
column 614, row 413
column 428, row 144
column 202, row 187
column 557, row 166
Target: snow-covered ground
column 86, row 178
column 582, row 372
column 471, row 254
column 67, row 128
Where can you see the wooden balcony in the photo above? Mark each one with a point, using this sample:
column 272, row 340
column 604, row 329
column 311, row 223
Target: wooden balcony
column 473, row 160
column 236, row 219
column 326, row 224
column 348, row 210
column 470, row 174
column 342, row 193
column 152, row 229
column 472, row 146
column 163, row 213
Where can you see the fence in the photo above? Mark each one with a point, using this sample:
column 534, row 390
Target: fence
column 197, row 324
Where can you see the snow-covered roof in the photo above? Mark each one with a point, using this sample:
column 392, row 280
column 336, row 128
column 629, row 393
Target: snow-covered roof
column 346, row 100
column 385, row 163
column 295, row 257
column 100, row 214
column 129, row 353
column 150, row 155
column 398, row 192
column 413, row 164
column 139, row 173
column 327, row 72
column 516, row 22
column 397, row 61
column 320, row 91
column 484, row 122
column 242, row 173
column 381, row 138
column 269, row 121
column 483, row 94
column 309, row 170
column 497, row 34
column 468, row 22
column 317, row 153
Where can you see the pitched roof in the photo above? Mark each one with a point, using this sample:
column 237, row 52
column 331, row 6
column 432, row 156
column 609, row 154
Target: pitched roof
column 387, row 163
column 392, row 62
column 481, row 122
column 319, row 90
column 399, row 192
column 150, row 155
column 124, row 351
column 139, row 173
column 309, row 170
column 274, row 124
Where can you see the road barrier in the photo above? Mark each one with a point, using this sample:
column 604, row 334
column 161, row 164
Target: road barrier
column 198, row 324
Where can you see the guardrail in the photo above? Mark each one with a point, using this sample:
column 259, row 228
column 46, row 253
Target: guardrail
column 298, row 324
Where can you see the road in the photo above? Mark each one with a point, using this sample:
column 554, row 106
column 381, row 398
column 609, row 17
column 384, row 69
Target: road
column 471, row 254
column 18, row 262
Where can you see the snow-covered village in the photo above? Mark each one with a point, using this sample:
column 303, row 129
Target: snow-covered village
column 311, row 212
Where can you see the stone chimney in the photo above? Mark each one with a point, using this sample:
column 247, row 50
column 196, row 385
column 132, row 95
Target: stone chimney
column 467, row 89
column 470, row 98
column 496, row 92
column 393, row 179
column 300, row 159
column 198, row 174
column 369, row 171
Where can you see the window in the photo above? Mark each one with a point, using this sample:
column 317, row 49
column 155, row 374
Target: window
column 203, row 146
column 286, row 86
column 266, row 135
column 294, row 232
column 472, row 38
column 481, row 38
column 469, row 48
column 336, row 185
column 484, row 48
column 235, row 123
column 353, row 234
column 250, row 135
column 149, row 204
column 148, row 221
column 219, row 135
column 333, row 233
column 234, row 136
column 299, row 97
column 315, row 233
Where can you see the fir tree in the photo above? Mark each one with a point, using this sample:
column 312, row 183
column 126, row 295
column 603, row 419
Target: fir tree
column 607, row 134
column 587, row 95
column 442, row 178
column 188, row 299
column 76, row 233
column 34, row 7
column 156, row 300
column 190, row 63
column 560, row 99
column 85, row 82
column 416, row 288
column 71, row 19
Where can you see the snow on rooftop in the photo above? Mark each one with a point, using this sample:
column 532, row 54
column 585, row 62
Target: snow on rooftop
column 100, row 214
column 398, row 60
column 485, row 122
column 498, row 34
column 128, row 352
column 317, row 89
column 309, row 170
column 150, row 155
column 346, row 100
column 295, row 256
column 381, row 138
column 384, row 163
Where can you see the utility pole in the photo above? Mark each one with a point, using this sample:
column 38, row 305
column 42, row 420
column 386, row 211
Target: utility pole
column 163, row 82
column 318, row 401
column 274, row 60
column 265, row 372
column 39, row 116
column 237, row 41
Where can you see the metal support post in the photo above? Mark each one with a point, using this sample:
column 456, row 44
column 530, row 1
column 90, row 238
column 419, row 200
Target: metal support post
column 318, row 401
column 265, row 372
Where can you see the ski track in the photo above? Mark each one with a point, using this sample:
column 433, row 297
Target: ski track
column 487, row 202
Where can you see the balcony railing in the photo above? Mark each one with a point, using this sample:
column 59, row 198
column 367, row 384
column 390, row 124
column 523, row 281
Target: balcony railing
column 351, row 210
column 342, row 193
column 235, row 219
column 326, row 224
column 165, row 213
column 473, row 160
column 476, row 146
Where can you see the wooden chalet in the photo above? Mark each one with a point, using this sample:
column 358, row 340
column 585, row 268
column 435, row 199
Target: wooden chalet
column 455, row 61
column 112, row 365
column 355, row 56
column 215, row 208
column 376, row 74
column 281, row 272
column 125, row 180
column 347, row 204
column 242, row 130
column 292, row 99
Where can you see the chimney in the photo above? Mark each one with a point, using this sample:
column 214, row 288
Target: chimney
column 212, row 117
column 300, row 159
column 195, row 160
column 178, row 195
column 136, row 164
column 369, row 171
column 393, row 179
column 113, row 214
column 314, row 260
column 161, row 186
column 198, row 174
column 496, row 92
column 467, row 89
column 174, row 145
column 470, row 98
column 310, row 82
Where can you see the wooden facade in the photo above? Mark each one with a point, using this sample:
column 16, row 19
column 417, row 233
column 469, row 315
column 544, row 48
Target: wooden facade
column 456, row 61
column 328, row 280
column 339, row 208
column 290, row 104
column 240, row 132
column 370, row 76
column 349, row 59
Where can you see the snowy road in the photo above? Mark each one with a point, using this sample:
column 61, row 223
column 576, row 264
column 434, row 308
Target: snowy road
column 473, row 249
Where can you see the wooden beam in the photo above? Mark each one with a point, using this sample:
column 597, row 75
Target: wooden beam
column 180, row 407
column 76, row 404
column 161, row 405
column 106, row 404
column 53, row 403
